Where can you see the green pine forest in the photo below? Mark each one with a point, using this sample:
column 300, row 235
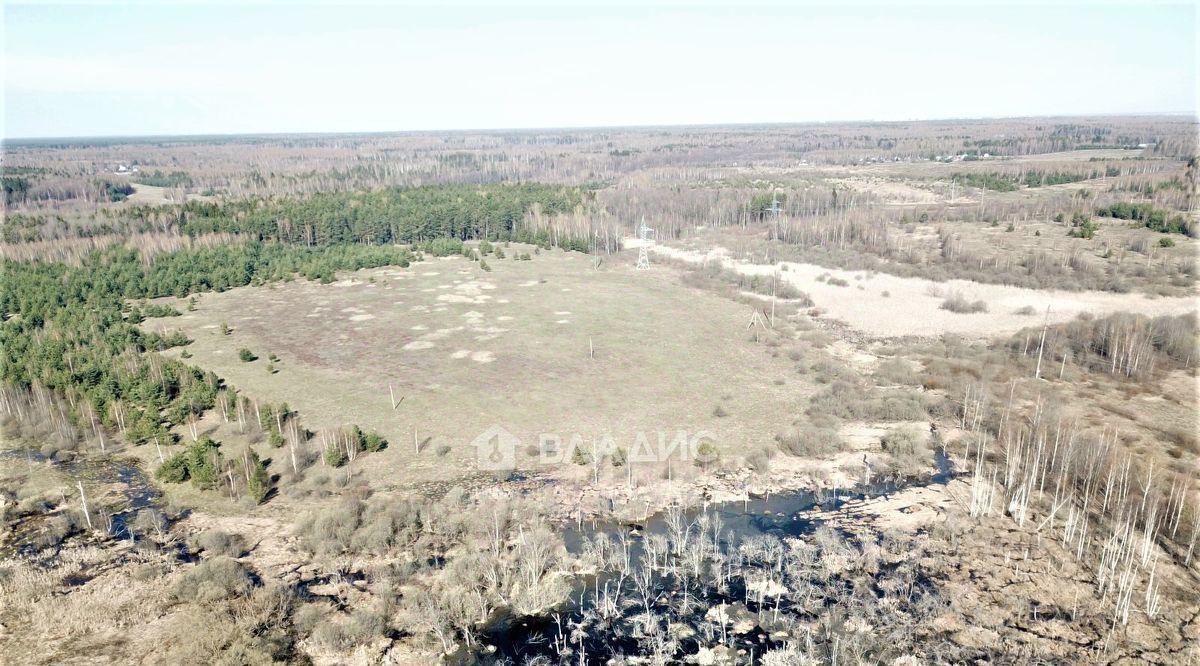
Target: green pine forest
column 72, row 329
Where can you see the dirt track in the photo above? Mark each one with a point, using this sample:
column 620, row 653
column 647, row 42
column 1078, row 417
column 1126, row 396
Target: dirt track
column 912, row 306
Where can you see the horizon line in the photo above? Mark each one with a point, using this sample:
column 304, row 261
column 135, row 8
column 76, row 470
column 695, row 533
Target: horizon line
column 1193, row 116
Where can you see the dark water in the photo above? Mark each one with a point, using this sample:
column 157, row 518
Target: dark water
column 512, row 639
column 782, row 515
column 124, row 473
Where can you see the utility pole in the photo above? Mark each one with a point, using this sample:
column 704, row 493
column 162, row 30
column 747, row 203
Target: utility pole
column 775, row 210
column 644, row 233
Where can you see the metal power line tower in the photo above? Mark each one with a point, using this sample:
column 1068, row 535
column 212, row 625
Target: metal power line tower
column 644, row 233
column 775, row 209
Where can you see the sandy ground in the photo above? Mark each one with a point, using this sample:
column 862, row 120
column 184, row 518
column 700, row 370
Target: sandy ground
column 152, row 195
column 912, row 306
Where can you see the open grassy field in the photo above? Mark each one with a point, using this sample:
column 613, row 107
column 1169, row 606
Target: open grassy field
column 464, row 349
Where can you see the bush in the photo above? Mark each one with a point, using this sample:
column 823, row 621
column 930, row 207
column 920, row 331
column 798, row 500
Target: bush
column 896, row 371
column 906, row 445
column 218, row 543
column 214, row 580
column 959, row 304
column 200, row 463
column 335, row 456
column 1166, row 242
column 706, row 453
column 373, row 442
column 246, row 355
column 848, row 401
column 901, row 441
column 174, row 470
column 809, row 440
column 57, row 528
column 203, row 463
column 259, row 484
column 1151, row 217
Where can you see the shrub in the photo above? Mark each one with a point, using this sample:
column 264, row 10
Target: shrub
column 335, row 456
column 959, row 304
column 1151, row 217
column 259, row 484
column 719, row 412
column 1025, row 310
column 848, row 401
column 203, row 463
column 809, row 440
column 57, row 528
column 707, row 452
column 246, row 355
column 214, row 580
column 373, row 442
column 174, row 470
column 901, row 441
column 906, row 445
column 218, row 543
column 1166, row 242
column 484, row 265
column 896, row 371
column 442, row 450
column 200, row 463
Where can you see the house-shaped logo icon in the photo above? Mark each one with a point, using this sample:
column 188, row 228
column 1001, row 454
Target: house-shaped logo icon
column 496, row 449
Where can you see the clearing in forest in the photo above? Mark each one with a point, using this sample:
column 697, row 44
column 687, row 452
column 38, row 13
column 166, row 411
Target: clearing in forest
column 550, row 345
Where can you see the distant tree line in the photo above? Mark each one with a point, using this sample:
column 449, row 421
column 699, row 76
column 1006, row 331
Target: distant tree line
column 378, row 217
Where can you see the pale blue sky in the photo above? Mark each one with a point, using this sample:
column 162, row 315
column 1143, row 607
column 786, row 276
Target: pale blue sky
column 192, row 69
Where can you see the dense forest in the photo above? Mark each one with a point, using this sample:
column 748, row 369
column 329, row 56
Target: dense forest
column 378, row 217
column 72, row 329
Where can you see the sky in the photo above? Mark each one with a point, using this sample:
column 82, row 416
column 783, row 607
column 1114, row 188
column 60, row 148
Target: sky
column 155, row 69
